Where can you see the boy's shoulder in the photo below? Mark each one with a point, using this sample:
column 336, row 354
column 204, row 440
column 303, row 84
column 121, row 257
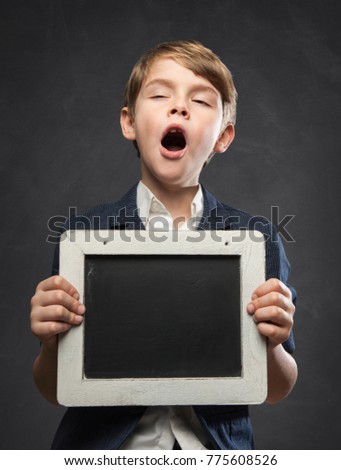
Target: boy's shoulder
column 108, row 215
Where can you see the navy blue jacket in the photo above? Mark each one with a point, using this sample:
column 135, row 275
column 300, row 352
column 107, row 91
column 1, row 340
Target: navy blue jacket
column 227, row 427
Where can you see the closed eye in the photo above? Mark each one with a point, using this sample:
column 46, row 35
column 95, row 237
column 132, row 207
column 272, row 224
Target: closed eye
column 201, row 102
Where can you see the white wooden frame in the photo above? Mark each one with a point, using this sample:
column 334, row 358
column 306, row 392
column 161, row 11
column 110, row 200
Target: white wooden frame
column 75, row 390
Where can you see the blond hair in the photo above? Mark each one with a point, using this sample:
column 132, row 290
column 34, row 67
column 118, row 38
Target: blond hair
column 197, row 58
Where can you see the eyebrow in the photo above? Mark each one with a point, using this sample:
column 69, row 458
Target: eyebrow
column 160, row 81
column 169, row 84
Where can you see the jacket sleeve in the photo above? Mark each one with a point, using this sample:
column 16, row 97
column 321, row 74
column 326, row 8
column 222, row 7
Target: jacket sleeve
column 277, row 266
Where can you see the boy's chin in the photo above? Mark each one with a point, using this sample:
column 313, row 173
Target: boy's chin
column 175, row 180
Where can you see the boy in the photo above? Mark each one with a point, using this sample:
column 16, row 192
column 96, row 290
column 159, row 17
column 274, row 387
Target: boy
column 180, row 108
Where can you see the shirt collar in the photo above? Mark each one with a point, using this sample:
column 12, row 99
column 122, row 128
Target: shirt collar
column 147, row 203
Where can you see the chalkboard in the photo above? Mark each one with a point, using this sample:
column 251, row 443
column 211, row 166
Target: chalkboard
column 162, row 316
column 165, row 321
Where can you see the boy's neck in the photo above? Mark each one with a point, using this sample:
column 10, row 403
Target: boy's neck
column 176, row 199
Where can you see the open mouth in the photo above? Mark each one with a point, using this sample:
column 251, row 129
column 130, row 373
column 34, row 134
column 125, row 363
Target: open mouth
column 174, row 140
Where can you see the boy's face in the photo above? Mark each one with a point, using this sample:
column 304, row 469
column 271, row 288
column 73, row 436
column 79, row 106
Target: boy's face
column 177, row 125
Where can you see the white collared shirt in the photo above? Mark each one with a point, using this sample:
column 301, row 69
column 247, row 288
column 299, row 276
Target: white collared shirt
column 161, row 425
column 155, row 216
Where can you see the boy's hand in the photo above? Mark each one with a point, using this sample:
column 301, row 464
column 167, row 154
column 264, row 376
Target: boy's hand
column 55, row 308
column 273, row 311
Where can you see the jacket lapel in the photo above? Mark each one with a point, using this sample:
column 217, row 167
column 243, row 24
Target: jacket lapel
column 126, row 213
column 214, row 216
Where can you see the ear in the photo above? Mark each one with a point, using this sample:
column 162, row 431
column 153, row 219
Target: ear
column 225, row 139
column 127, row 124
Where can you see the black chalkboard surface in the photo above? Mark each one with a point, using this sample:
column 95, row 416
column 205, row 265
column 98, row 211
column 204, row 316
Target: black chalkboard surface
column 162, row 316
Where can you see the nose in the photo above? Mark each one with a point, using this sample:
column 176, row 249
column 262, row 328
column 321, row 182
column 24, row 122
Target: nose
column 180, row 109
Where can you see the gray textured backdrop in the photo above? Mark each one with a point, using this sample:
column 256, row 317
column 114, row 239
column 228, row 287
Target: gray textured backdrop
column 63, row 68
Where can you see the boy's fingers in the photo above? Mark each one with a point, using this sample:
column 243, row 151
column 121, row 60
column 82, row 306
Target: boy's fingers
column 57, row 283
column 57, row 298
column 274, row 333
column 55, row 308
column 57, row 313
column 274, row 315
column 272, row 285
column 46, row 330
column 274, row 299
column 53, row 320
column 273, row 322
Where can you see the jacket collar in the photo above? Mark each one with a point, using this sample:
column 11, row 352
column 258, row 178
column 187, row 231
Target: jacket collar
column 126, row 213
column 213, row 217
